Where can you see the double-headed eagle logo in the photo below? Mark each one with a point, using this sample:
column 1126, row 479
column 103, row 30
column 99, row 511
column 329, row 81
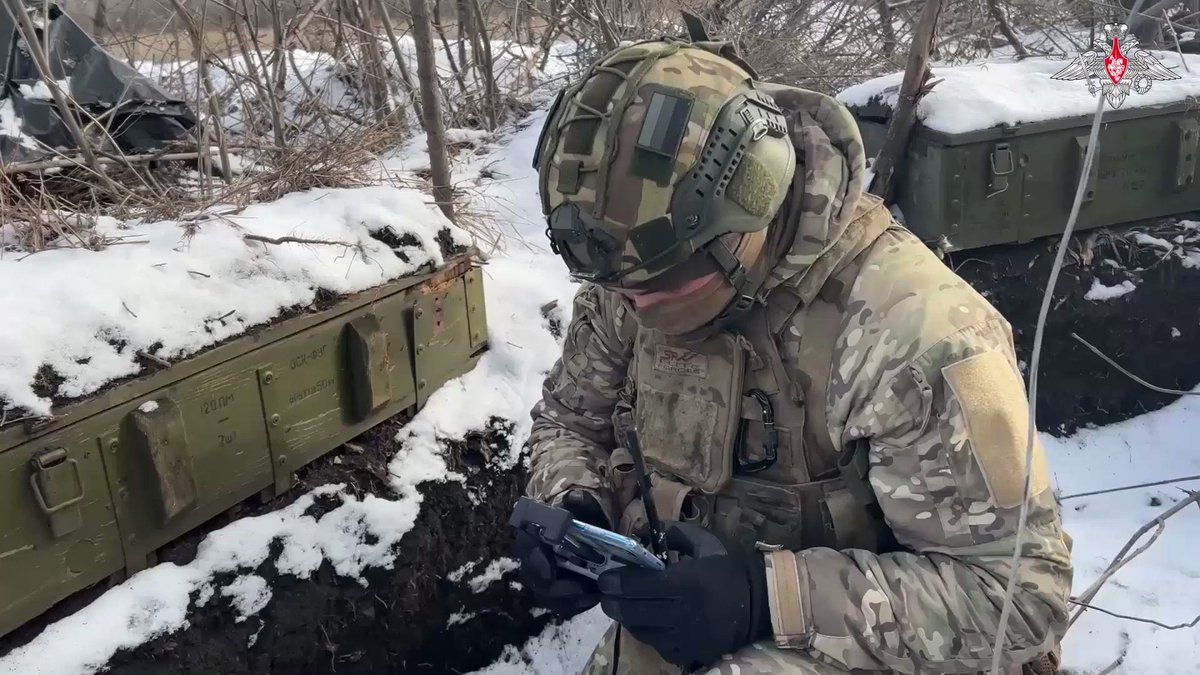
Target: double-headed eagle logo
column 1115, row 65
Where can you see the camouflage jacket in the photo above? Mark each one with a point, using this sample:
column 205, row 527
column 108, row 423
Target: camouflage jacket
column 923, row 372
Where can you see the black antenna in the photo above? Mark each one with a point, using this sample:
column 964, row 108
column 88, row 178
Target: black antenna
column 634, row 445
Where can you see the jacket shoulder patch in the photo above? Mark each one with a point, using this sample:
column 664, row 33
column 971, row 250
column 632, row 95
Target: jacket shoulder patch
column 677, row 361
column 996, row 415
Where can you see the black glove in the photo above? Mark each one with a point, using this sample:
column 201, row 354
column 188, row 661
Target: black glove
column 706, row 605
column 561, row 591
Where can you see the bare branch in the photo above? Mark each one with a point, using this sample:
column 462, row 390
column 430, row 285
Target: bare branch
column 294, row 240
column 1190, row 624
column 1124, row 488
column 1120, row 560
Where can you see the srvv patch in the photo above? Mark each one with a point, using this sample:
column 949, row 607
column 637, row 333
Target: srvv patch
column 677, row 361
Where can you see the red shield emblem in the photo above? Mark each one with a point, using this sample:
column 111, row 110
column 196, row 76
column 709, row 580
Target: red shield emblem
column 1115, row 63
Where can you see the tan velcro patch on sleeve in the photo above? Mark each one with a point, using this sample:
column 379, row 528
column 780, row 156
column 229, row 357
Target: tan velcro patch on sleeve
column 785, row 596
column 996, row 415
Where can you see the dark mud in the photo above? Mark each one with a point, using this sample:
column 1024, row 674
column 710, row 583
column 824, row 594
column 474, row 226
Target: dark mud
column 331, row 624
column 398, row 622
column 1154, row 332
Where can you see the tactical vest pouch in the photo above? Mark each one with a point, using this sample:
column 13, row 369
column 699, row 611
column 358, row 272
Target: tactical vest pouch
column 797, row 516
column 674, row 501
column 688, row 409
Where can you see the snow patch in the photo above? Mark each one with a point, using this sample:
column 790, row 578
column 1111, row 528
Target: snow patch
column 458, row 574
column 249, row 594
column 498, row 568
column 557, row 650
column 460, row 617
column 1161, row 583
column 148, row 407
column 472, row 136
column 1006, row 91
column 253, row 640
column 183, row 287
column 10, row 126
column 1099, row 291
column 1148, row 240
column 40, row 91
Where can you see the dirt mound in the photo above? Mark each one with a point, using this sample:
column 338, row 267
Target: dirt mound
column 1152, row 331
column 400, row 621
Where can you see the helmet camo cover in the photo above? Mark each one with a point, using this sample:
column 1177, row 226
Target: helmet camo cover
column 661, row 148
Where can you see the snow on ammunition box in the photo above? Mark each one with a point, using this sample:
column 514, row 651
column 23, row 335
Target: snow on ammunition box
column 998, row 150
column 92, row 486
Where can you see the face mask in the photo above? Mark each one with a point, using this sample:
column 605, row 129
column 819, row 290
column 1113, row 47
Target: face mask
column 697, row 302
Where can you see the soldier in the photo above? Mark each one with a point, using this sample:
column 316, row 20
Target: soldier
column 808, row 381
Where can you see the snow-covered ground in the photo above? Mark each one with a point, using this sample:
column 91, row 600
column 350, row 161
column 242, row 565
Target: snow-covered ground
column 1163, row 584
column 1006, row 91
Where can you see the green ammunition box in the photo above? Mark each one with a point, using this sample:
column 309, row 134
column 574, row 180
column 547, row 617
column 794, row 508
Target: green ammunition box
column 1015, row 183
column 96, row 490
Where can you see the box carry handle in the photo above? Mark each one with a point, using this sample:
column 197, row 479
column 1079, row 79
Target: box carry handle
column 54, row 477
column 1002, row 165
column 1185, row 164
column 1081, row 145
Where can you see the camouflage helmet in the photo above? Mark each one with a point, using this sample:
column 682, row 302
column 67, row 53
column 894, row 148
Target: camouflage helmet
column 658, row 151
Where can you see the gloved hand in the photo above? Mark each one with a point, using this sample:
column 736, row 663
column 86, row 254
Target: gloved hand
column 706, row 605
column 561, row 591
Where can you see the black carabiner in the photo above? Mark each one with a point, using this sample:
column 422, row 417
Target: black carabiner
column 770, row 438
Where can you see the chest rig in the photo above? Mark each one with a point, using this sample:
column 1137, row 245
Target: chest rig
column 737, row 440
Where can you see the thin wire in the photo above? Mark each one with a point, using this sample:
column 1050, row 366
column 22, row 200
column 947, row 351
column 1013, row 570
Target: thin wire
column 1135, row 378
column 1035, row 361
column 1124, row 488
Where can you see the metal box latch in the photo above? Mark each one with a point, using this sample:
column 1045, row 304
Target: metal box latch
column 58, row 489
column 1002, row 165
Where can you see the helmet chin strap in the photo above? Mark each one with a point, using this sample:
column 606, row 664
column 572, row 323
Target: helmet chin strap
column 746, row 283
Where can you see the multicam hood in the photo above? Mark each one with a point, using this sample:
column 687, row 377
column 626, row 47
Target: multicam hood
column 830, row 176
column 659, row 150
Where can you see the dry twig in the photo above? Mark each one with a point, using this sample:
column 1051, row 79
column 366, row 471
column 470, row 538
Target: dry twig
column 1120, row 560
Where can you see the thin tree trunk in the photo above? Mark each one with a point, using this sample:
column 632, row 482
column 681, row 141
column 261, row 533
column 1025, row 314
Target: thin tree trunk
column 210, row 94
column 431, row 106
column 279, row 74
column 463, row 14
column 371, row 63
column 1001, row 19
column 886, row 29
column 905, row 115
column 401, row 64
column 557, row 12
column 482, row 45
column 441, row 31
column 100, row 19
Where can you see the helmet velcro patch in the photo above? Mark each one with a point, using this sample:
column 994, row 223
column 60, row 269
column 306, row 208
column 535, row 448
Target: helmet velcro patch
column 753, row 187
column 665, row 123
